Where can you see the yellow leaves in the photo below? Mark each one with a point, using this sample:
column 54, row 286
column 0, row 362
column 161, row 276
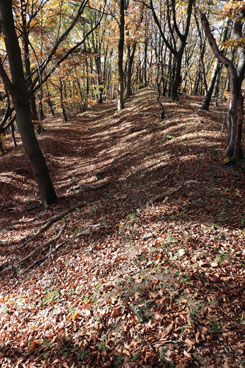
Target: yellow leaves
column 2, row 45
column 2, row 37
column 238, row 42
column 57, row 6
column 97, row 3
column 232, row 8
column 226, row 160
column 74, row 316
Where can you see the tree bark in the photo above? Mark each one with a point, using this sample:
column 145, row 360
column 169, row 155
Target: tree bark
column 216, row 70
column 131, row 53
column 120, row 56
column 18, row 89
column 25, row 42
column 233, row 150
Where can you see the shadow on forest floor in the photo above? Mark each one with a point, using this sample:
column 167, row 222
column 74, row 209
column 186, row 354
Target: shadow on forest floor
column 172, row 215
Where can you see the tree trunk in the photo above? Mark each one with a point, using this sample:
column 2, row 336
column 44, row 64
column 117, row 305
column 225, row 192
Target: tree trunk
column 177, row 75
column 175, row 50
column 217, row 68
column 120, row 56
column 145, row 61
column 62, row 100
column 49, row 101
column 236, row 74
column 207, row 99
column 129, row 68
column 27, row 64
column 18, row 90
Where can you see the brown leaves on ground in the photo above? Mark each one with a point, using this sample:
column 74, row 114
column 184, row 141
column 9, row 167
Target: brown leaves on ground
column 151, row 268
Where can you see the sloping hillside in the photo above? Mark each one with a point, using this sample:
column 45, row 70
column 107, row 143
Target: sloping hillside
column 141, row 261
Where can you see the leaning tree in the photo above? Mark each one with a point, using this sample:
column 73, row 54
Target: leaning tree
column 236, row 71
column 17, row 88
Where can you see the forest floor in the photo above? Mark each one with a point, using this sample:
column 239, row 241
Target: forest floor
column 140, row 263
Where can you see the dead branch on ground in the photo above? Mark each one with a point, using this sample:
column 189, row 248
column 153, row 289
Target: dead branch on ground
column 51, row 253
column 164, row 195
column 52, row 221
column 36, row 250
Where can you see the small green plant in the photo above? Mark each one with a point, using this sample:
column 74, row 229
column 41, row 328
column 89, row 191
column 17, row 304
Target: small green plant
column 131, row 216
column 86, row 299
column 222, row 257
column 46, row 342
column 135, row 357
column 214, row 326
column 242, row 363
column 75, row 230
column 242, row 221
column 185, row 279
column 167, row 137
column 194, row 309
column 170, row 239
column 213, row 303
column 102, row 344
column 120, row 359
column 51, row 296
column 45, row 355
column 95, row 294
column 82, row 354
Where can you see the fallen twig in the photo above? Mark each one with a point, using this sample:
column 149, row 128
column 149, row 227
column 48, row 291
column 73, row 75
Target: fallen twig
column 164, row 195
column 40, row 260
column 86, row 186
column 96, row 186
column 48, row 243
column 52, row 221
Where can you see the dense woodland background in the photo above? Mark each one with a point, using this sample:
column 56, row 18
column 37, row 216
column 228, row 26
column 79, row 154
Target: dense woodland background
column 122, row 183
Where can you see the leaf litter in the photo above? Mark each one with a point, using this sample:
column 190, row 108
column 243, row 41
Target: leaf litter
column 150, row 271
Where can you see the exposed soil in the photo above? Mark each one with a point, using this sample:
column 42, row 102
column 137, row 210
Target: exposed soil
column 147, row 268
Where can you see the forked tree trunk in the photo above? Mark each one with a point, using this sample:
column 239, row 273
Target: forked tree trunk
column 177, row 47
column 18, row 90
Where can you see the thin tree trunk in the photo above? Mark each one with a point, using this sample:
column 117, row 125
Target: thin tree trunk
column 27, row 63
column 207, row 99
column 129, row 68
column 120, row 56
column 62, row 101
column 145, row 61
